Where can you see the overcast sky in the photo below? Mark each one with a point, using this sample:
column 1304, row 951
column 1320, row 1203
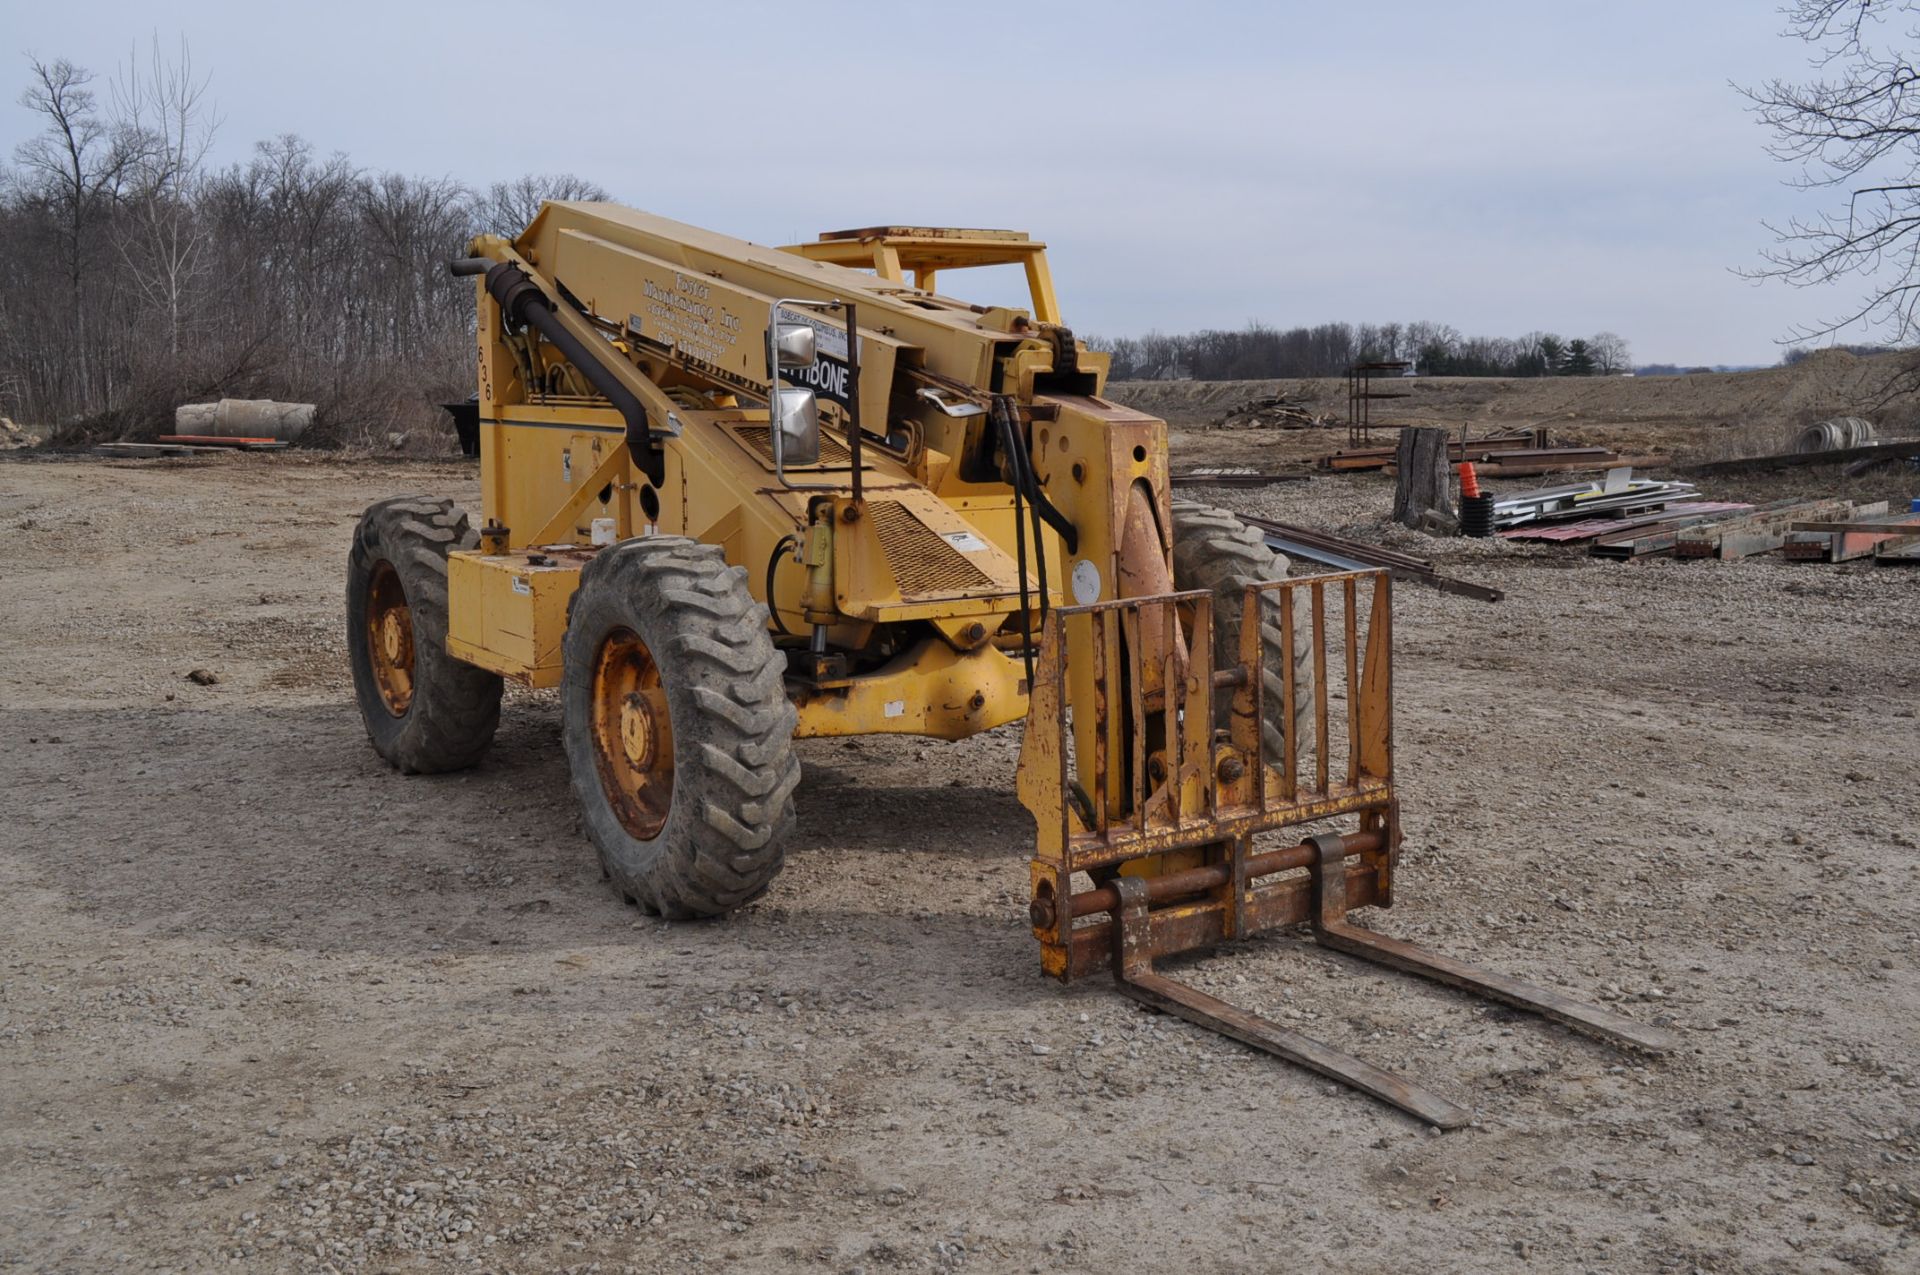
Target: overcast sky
column 1498, row 166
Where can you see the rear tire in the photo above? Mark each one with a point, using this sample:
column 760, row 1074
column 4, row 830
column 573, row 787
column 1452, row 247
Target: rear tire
column 678, row 730
column 425, row 711
column 1215, row 551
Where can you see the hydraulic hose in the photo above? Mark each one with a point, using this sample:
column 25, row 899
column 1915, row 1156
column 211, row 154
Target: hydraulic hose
column 523, row 303
column 1002, row 420
column 773, row 564
column 1027, row 513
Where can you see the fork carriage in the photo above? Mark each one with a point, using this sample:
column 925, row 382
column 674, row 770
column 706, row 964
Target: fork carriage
column 1158, row 858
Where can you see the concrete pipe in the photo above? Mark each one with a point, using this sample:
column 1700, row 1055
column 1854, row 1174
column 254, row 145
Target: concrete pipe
column 1832, row 434
column 244, row 418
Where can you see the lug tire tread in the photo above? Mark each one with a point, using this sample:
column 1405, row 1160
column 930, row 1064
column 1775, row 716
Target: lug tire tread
column 1215, row 551
column 735, row 771
column 455, row 710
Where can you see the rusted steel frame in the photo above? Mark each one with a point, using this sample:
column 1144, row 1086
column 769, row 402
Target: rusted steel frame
column 1102, row 706
column 1134, row 973
column 1173, row 742
column 1244, row 719
column 1374, row 744
column 1330, row 882
column 1369, row 685
column 1046, row 709
column 1123, row 604
column 1050, row 704
column 1093, row 850
column 1224, row 679
column 1289, row 701
column 1320, row 740
column 1174, row 885
column 1087, row 947
column 1232, row 894
column 1866, row 526
column 1136, row 709
column 1351, row 598
column 1230, row 801
column 1189, row 716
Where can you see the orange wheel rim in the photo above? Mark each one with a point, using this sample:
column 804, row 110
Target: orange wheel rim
column 632, row 734
column 390, row 639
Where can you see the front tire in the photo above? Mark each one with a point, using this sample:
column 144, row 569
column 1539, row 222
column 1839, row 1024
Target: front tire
column 425, row 711
column 678, row 730
column 1215, row 551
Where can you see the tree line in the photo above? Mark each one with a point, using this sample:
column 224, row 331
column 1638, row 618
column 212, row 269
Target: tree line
column 1259, row 352
column 134, row 276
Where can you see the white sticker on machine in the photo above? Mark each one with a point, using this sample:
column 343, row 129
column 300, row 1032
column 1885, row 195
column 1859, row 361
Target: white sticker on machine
column 1086, row 582
column 895, row 708
column 965, row 541
column 522, row 585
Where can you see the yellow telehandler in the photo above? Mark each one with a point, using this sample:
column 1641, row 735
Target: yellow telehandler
column 733, row 496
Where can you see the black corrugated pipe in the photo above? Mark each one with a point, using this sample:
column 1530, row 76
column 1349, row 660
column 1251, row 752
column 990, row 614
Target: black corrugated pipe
column 523, row 303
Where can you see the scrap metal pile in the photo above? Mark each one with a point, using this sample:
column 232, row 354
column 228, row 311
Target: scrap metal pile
column 1573, row 511
column 1646, row 518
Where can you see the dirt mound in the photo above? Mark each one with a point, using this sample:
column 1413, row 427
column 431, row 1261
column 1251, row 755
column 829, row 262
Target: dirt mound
column 1827, row 383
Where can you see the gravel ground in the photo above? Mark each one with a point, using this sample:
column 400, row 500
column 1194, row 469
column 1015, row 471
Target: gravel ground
column 266, row 1005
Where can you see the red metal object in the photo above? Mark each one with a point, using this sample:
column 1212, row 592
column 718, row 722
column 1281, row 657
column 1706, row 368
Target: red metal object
column 219, row 440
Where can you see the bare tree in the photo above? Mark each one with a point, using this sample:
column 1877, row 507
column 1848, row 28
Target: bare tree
column 1854, row 129
column 1610, row 354
column 77, row 164
column 162, row 241
column 509, row 206
column 294, row 274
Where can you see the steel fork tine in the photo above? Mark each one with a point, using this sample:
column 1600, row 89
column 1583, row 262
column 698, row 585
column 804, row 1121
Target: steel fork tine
column 1331, row 927
column 1133, row 971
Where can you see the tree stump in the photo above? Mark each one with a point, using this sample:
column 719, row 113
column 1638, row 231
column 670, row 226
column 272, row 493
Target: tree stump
column 1420, row 484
